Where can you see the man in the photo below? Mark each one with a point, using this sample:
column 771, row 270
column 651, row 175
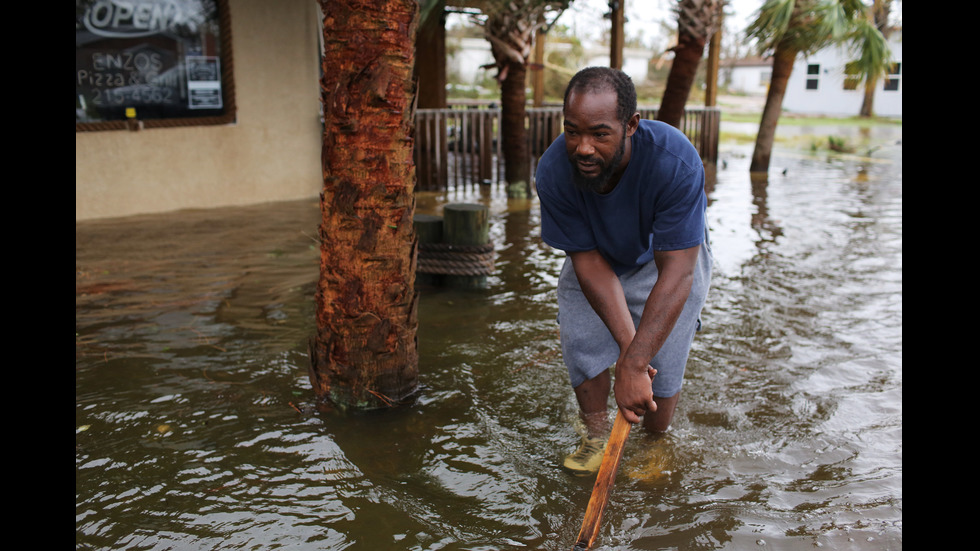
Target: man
column 624, row 198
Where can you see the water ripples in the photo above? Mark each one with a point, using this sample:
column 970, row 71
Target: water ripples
column 195, row 427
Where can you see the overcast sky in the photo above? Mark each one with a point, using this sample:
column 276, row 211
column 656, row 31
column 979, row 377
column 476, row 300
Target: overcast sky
column 646, row 19
column 646, row 16
column 585, row 17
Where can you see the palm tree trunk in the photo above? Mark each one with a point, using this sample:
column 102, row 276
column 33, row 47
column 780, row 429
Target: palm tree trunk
column 364, row 353
column 513, row 101
column 868, row 104
column 880, row 12
column 510, row 28
column 684, row 68
column 782, row 67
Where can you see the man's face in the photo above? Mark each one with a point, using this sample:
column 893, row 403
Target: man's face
column 595, row 140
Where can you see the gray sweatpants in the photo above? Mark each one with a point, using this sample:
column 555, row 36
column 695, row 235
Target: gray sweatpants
column 587, row 346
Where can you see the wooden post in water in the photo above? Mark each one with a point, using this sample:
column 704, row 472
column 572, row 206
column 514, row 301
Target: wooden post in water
column 428, row 228
column 486, row 146
column 467, row 226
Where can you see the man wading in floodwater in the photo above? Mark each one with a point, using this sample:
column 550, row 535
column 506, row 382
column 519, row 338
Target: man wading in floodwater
column 624, row 198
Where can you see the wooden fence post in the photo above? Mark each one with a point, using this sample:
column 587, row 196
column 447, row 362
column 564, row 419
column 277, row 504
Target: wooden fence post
column 466, row 225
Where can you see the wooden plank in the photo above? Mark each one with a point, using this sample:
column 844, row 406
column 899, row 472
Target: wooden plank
column 603, row 483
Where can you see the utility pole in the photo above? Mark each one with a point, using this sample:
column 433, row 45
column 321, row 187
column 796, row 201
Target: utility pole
column 616, row 40
column 714, row 56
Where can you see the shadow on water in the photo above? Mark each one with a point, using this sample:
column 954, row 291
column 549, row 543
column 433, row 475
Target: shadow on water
column 195, row 425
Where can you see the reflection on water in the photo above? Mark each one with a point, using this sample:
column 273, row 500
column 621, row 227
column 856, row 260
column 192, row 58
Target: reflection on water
column 195, row 427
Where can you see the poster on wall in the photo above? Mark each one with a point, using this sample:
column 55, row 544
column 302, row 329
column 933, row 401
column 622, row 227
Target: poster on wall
column 150, row 60
column 203, row 83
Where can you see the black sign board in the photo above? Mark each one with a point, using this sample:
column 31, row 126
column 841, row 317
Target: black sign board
column 160, row 62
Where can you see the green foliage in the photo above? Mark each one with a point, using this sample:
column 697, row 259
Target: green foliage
column 805, row 26
column 771, row 23
column 869, row 46
column 465, row 91
column 839, row 144
column 802, row 25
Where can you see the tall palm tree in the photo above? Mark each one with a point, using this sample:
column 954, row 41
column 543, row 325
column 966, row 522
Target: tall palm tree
column 880, row 11
column 697, row 21
column 364, row 353
column 510, row 27
column 787, row 28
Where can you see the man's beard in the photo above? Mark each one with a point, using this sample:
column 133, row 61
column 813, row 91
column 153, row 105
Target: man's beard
column 598, row 182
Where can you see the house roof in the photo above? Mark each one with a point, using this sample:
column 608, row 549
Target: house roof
column 754, row 61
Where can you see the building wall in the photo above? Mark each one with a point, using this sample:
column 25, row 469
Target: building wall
column 830, row 97
column 271, row 153
column 747, row 79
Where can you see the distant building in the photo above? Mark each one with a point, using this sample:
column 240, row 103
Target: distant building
column 132, row 158
column 820, row 84
column 749, row 76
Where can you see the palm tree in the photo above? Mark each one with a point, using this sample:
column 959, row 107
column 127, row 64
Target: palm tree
column 880, row 11
column 510, row 27
column 364, row 353
column 697, row 21
column 788, row 28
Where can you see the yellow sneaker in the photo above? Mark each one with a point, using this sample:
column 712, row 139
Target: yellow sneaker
column 587, row 458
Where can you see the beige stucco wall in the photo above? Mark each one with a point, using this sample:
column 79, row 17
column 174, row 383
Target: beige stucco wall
column 272, row 153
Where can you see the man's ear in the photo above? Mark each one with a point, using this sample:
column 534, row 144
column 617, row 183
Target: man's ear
column 633, row 124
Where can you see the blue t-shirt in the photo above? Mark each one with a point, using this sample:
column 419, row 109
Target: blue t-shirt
column 658, row 204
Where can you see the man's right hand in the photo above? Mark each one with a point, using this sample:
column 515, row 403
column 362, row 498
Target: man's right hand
column 633, row 391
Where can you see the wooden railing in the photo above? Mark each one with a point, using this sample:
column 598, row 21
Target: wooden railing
column 461, row 145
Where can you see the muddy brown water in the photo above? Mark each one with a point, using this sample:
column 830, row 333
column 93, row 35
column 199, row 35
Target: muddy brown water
column 195, row 425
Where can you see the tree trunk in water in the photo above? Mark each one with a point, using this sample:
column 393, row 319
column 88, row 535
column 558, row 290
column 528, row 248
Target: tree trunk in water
column 364, row 354
column 880, row 11
column 782, row 67
column 510, row 29
column 430, row 68
column 868, row 104
column 513, row 99
column 687, row 56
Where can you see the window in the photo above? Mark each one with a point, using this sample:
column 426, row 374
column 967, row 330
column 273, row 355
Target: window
column 812, row 75
column 155, row 62
column 894, row 77
column 765, row 77
column 852, row 77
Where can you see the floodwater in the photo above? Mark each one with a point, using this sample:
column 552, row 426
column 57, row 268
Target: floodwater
column 196, row 427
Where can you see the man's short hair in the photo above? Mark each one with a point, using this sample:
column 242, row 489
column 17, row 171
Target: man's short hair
column 593, row 80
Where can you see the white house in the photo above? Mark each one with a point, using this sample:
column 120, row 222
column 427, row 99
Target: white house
column 746, row 76
column 820, row 85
